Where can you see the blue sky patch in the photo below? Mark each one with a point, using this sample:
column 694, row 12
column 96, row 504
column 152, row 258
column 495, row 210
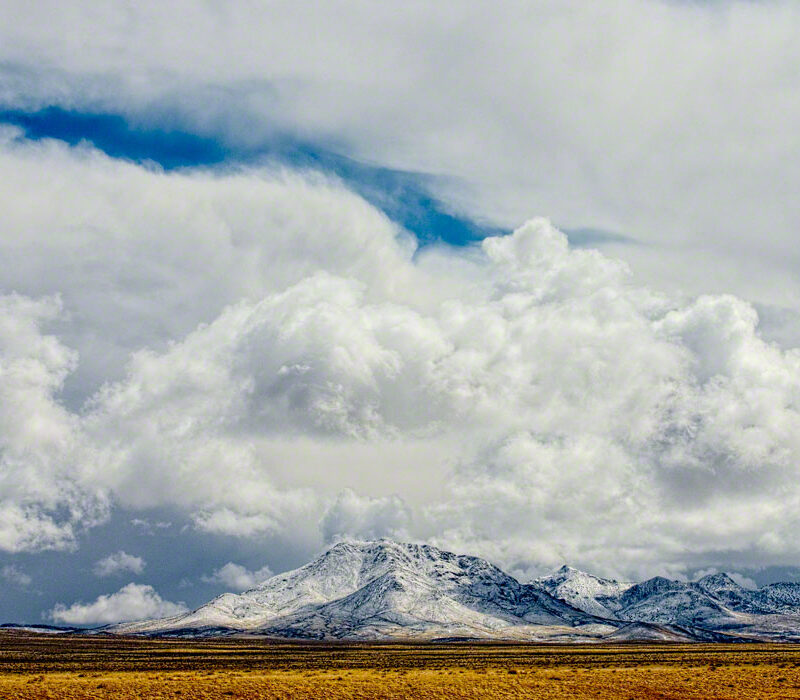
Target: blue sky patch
column 113, row 135
column 403, row 196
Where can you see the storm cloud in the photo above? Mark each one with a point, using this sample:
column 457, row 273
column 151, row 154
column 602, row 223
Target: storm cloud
column 250, row 351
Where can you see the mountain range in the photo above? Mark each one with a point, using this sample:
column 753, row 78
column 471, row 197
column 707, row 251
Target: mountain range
column 389, row 590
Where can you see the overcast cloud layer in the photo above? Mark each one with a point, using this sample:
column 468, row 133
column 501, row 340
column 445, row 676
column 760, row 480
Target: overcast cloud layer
column 263, row 354
column 670, row 122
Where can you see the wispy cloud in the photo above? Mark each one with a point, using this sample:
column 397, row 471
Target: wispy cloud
column 13, row 574
column 118, row 563
column 148, row 527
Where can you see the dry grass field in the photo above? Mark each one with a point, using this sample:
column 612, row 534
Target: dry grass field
column 65, row 667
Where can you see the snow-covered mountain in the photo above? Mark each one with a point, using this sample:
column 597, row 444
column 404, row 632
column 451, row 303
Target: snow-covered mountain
column 390, row 590
column 592, row 594
column 666, row 602
column 385, row 589
column 724, row 588
column 716, row 604
column 38, row 629
column 779, row 597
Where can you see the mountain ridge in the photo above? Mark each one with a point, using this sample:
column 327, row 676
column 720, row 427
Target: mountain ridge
column 390, row 590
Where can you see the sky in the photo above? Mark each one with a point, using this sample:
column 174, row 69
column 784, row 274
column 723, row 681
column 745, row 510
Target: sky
column 519, row 280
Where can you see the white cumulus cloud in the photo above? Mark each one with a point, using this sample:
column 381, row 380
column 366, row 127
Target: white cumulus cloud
column 743, row 581
column 583, row 403
column 150, row 255
column 131, row 602
column 44, row 496
column 236, row 577
column 118, row 563
column 284, row 364
column 366, row 518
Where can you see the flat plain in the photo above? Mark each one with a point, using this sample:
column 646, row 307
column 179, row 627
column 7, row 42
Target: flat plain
column 69, row 666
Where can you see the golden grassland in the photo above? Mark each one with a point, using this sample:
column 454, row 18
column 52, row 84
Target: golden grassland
column 67, row 667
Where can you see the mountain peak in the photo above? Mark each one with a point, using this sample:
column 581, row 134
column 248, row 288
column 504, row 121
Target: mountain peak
column 563, row 573
column 587, row 592
column 567, row 573
column 382, row 589
column 384, row 544
column 720, row 580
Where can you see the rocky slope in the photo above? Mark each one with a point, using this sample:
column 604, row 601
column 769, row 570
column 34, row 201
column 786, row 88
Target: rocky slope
column 714, row 604
column 592, row 594
column 385, row 589
column 390, row 590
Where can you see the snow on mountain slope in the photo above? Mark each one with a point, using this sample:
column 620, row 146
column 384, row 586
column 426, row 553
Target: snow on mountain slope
column 780, row 597
column 39, row 629
column 717, row 602
column 592, row 594
column 714, row 608
column 663, row 601
column 734, row 596
column 390, row 590
column 722, row 585
column 376, row 588
column 472, row 599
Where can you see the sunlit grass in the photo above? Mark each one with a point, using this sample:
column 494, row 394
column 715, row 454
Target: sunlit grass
column 33, row 667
